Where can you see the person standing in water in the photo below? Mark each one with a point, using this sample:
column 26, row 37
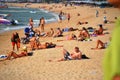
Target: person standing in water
column 42, row 24
column 31, row 23
column 60, row 16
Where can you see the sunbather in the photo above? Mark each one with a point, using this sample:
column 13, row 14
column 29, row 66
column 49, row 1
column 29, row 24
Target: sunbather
column 81, row 23
column 76, row 55
column 43, row 46
column 69, row 37
column 13, row 55
column 58, row 33
column 83, row 35
column 99, row 31
column 102, row 44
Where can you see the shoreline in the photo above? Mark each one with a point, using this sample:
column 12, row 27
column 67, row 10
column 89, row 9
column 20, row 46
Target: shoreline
column 48, row 21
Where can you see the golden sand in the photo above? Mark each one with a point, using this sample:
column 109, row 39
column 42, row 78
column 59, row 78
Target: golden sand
column 37, row 67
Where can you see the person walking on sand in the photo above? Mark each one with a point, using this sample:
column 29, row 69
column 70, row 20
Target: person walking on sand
column 42, row 24
column 68, row 16
column 97, row 13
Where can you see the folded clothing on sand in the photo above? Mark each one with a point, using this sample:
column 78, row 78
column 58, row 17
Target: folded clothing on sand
column 3, row 56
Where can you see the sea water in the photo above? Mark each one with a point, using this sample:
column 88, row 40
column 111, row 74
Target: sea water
column 22, row 15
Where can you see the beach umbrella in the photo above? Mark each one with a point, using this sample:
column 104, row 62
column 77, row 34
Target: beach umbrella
column 4, row 21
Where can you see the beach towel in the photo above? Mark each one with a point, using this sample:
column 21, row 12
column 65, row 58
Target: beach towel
column 90, row 29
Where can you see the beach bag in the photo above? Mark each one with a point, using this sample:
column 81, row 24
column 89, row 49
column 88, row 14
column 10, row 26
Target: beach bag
column 30, row 53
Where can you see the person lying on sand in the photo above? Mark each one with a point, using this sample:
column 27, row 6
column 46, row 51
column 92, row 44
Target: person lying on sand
column 34, row 42
column 67, row 29
column 44, row 46
column 58, row 33
column 105, row 21
column 81, row 23
column 83, row 35
column 99, row 31
column 47, row 45
column 102, row 44
column 76, row 55
column 69, row 37
column 13, row 55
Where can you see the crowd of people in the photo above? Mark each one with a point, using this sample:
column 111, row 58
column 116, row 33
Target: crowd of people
column 111, row 62
column 33, row 36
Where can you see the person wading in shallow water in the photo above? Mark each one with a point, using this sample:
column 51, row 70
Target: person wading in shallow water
column 42, row 24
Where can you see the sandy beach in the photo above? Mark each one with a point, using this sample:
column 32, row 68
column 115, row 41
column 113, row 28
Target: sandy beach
column 37, row 67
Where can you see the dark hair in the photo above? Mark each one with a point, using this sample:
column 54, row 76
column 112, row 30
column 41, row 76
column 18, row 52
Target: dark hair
column 84, row 28
column 58, row 28
column 51, row 28
column 115, row 17
column 31, row 19
column 16, row 35
column 100, row 26
column 76, row 47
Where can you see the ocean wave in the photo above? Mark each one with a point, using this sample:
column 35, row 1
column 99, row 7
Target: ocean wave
column 43, row 10
column 16, row 7
column 22, row 25
column 55, row 15
column 14, row 28
column 50, row 20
